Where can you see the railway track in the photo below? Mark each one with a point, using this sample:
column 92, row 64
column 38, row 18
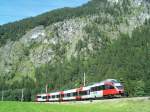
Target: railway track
column 102, row 100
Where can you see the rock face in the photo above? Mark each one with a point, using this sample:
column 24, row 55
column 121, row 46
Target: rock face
column 38, row 46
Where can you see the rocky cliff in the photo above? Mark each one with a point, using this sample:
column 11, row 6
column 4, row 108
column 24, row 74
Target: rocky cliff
column 43, row 45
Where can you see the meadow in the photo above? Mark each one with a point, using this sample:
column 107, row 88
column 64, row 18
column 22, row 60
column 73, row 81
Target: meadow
column 112, row 106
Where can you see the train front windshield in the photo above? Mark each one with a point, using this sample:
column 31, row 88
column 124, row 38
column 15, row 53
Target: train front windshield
column 119, row 87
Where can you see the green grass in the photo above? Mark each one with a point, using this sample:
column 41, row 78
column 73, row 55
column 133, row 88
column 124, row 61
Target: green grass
column 112, row 106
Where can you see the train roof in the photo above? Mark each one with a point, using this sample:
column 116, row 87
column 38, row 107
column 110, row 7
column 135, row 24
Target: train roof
column 111, row 80
column 55, row 93
column 69, row 91
column 97, row 84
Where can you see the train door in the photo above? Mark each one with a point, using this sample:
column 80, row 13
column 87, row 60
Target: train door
column 96, row 92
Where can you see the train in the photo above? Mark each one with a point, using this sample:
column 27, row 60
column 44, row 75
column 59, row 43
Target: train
column 108, row 88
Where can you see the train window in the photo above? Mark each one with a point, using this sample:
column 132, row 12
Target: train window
column 97, row 88
column 75, row 94
column 44, row 97
column 53, row 96
column 114, row 81
column 68, row 94
column 83, row 93
column 106, row 87
column 93, row 89
column 49, row 97
column 119, row 87
column 100, row 88
column 57, row 96
column 38, row 96
column 109, row 87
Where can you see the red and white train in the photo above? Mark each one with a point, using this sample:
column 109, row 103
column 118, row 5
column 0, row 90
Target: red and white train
column 107, row 88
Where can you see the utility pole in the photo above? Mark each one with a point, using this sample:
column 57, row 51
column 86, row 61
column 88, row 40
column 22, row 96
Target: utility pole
column 22, row 95
column 2, row 95
column 84, row 78
column 46, row 88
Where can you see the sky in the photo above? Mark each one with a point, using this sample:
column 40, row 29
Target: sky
column 12, row 10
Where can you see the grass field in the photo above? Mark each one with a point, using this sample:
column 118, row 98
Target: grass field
column 112, row 106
